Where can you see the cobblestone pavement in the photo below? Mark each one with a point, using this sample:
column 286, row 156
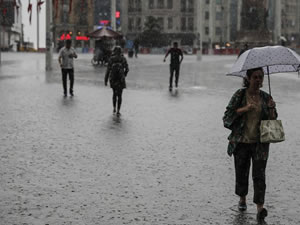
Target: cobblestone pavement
column 69, row 161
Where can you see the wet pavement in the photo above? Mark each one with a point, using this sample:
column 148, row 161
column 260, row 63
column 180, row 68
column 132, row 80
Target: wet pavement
column 163, row 162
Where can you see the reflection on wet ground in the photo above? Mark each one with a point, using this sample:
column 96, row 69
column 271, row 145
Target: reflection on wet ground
column 71, row 161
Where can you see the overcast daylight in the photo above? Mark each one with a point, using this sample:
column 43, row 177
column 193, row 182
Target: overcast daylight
column 150, row 112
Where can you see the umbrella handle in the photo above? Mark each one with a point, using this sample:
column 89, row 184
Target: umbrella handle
column 269, row 80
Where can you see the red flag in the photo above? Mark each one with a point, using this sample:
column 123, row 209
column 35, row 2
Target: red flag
column 82, row 4
column 29, row 10
column 4, row 11
column 70, row 6
column 39, row 5
column 56, row 8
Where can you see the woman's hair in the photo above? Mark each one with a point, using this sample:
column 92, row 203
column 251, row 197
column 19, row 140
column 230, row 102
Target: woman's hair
column 249, row 73
column 117, row 50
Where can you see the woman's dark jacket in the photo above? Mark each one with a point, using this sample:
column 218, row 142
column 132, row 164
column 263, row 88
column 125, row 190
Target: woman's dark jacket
column 236, row 123
column 117, row 81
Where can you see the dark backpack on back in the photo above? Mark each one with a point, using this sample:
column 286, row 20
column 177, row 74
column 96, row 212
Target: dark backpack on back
column 117, row 72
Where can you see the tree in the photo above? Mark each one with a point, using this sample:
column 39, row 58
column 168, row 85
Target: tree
column 152, row 35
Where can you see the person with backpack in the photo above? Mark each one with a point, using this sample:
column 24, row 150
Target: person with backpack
column 116, row 72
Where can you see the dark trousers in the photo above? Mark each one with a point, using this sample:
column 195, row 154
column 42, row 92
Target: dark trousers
column 65, row 73
column 174, row 69
column 117, row 97
column 242, row 161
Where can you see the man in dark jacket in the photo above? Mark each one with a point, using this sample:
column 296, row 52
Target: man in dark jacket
column 176, row 59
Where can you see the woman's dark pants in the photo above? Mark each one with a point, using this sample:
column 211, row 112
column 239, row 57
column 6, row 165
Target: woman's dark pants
column 65, row 73
column 242, row 161
column 117, row 97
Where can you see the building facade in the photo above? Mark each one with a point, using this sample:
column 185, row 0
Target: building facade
column 73, row 19
column 177, row 19
column 290, row 21
column 220, row 22
column 11, row 29
column 102, row 13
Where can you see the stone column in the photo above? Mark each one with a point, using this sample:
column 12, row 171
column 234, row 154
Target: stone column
column 49, row 49
column 277, row 28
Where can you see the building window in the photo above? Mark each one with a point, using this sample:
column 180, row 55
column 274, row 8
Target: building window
column 151, row 4
column 170, row 4
column 219, row 15
column 183, row 5
column 131, row 6
column 160, row 4
column 218, row 2
column 207, row 15
column 170, row 23
column 207, row 1
column 139, row 23
column 207, row 30
column 191, row 24
column 138, row 4
column 160, row 21
column 183, row 23
column 218, row 31
column 190, row 5
column 130, row 24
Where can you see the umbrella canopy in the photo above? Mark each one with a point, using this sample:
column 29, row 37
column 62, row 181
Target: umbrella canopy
column 104, row 32
column 273, row 59
column 277, row 59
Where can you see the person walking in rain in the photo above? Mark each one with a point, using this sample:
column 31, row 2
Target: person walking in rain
column 175, row 61
column 65, row 59
column 136, row 46
column 116, row 72
column 245, row 48
column 247, row 107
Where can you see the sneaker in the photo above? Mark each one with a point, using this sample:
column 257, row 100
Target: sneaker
column 242, row 206
column 261, row 215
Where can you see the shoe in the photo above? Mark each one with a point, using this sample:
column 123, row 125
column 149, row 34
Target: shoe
column 71, row 94
column 242, row 206
column 114, row 111
column 65, row 95
column 261, row 215
column 170, row 88
column 176, row 85
column 118, row 114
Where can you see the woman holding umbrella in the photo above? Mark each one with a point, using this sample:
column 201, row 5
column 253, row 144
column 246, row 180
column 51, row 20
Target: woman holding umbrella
column 247, row 107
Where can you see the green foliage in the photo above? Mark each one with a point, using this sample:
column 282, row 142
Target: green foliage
column 152, row 35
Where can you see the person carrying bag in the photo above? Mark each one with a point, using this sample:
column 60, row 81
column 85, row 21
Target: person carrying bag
column 247, row 114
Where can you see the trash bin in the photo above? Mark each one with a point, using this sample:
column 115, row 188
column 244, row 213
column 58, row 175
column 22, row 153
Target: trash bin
column 130, row 53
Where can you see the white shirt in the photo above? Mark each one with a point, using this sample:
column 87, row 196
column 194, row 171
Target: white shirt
column 67, row 61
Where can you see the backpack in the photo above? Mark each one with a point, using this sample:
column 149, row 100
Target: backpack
column 117, row 72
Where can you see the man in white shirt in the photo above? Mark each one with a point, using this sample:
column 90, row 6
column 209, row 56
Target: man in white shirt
column 65, row 59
